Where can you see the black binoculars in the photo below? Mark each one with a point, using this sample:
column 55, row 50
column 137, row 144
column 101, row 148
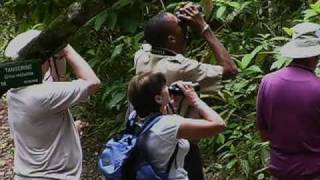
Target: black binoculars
column 174, row 89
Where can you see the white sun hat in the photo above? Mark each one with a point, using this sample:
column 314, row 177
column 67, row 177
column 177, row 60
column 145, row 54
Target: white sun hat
column 21, row 40
column 305, row 42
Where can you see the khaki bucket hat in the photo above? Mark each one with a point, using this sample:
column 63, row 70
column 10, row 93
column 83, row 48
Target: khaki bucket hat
column 305, row 42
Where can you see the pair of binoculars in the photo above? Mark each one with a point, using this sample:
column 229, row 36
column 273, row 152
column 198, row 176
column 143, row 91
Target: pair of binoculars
column 174, row 89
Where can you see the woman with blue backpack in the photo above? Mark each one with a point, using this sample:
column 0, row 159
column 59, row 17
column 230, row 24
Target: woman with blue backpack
column 156, row 151
column 149, row 95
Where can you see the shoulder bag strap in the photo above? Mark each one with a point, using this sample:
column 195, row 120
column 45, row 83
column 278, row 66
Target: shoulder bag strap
column 172, row 158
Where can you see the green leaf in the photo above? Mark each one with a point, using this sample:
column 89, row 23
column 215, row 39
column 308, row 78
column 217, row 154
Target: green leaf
column 309, row 13
column 280, row 62
column 289, row 31
column 221, row 11
column 245, row 61
column 112, row 20
column 245, row 167
column 100, row 19
column 317, row 71
column 218, row 166
column 316, row 7
column 221, row 139
column 117, row 51
column 254, row 68
column 235, row 5
column 116, row 99
column 261, row 176
column 92, row 52
column 245, row 4
column 237, row 87
column 231, row 163
column 227, row 155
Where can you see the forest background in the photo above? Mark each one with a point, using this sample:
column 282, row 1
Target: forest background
column 252, row 30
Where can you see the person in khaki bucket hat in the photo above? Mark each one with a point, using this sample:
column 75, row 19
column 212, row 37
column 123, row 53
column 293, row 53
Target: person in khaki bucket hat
column 305, row 42
column 288, row 106
column 166, row 36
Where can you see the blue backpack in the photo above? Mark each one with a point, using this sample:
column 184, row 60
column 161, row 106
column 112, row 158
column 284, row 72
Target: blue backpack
column 124, row 158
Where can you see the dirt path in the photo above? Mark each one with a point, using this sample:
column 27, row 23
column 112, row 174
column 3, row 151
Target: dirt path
column 6, row 145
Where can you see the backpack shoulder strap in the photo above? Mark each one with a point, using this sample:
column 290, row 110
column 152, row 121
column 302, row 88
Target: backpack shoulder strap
column 149, row 123
column 172, row 158
column 131, row 119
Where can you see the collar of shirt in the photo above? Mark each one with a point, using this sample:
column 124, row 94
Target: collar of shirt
column 301, row 67
column 163, row 51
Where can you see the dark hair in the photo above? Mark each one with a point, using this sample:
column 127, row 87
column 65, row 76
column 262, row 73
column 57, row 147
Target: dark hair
column 142, row 90
column 157, row 30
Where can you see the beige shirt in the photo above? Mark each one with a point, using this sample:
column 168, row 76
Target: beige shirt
column 177, row 68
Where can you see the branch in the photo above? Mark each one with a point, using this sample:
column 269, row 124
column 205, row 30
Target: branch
column 58, row 32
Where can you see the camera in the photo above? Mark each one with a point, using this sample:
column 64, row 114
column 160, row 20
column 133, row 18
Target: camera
column 182, row 23
column 174, row 89
column 198, row 6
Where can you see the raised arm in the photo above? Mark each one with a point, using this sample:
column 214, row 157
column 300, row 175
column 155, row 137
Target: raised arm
column 211, row 123
column 81, row 69
column 193, row 17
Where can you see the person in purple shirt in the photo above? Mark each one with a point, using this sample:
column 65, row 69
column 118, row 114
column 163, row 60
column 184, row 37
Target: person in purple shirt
column 288, row 108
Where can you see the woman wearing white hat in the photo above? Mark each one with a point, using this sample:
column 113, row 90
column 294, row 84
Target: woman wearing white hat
column 47, row 144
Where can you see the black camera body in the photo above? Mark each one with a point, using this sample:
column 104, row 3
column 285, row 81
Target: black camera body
column 184, row 25
column 174, row 89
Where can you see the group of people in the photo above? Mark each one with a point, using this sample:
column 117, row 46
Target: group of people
column 46, row 138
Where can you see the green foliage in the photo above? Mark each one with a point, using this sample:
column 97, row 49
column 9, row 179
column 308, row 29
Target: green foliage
column 7, row 26
column 252, row 30
column 313, row 13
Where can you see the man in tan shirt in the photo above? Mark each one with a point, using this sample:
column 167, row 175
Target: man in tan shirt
column 166, row 37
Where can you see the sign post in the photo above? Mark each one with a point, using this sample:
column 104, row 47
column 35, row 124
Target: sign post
column 18, row 74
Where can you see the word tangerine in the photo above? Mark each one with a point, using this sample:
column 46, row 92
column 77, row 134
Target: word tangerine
column 18, row 68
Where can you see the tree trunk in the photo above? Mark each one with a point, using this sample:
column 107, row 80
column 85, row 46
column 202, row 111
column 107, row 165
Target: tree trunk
column 58, row 32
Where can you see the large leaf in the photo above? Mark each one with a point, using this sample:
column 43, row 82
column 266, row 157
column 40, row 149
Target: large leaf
column 234, row 4
column 116, row 99
column 231, row 163
column 100, row 19
column 245, row 61
column 280, row 62
column 112, row 20
column 221, row 11
column 289, row 31
column 308, row 14
column 117, row 51
column 316, row 7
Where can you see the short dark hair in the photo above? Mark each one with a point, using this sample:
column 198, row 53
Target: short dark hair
column 142, row 90
column 157, row 30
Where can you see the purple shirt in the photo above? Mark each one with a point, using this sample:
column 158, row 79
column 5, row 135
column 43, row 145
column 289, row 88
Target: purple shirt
column 288, row 110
